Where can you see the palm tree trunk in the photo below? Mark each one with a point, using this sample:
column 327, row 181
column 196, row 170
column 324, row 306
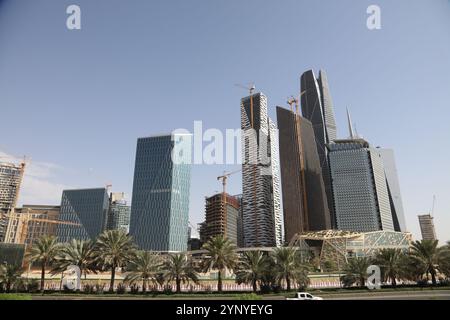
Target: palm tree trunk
column 178, row 282
column 433, row 277
column 288, row 283
column 219, row 281
column 254, row 286
column 113, row 275
column 144, row 286
column 394, row 282
column 42, row 277
column 8, row 286
column 61, row 281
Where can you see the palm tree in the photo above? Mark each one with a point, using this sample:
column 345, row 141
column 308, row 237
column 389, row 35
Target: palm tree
column 114, row 249
column 286, row 263
column 145, row 266
column 10, row 275
column 220, row 255
column 44, row 252
column 179, row 268
column 444, row 260
column 77, row 252
column 358, row 267
column 411, row 268
column 428, row 253
column 301, row 276
column 389, row 261
column 251, row 268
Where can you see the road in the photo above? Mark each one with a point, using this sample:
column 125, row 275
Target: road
column 400, row 295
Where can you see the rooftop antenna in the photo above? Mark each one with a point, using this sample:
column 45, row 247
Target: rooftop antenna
column 350, row 125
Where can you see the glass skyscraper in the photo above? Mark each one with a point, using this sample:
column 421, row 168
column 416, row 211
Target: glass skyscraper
column 360, row 189
column 86, row 207
column 305, row 205
column 393, row 184
column 160, row 202
column 261, row 196
column 317, row 107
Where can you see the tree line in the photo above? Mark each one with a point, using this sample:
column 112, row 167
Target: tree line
column 283, row 268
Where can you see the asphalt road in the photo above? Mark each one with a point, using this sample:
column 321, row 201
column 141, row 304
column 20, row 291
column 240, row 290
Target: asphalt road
column 401, row 295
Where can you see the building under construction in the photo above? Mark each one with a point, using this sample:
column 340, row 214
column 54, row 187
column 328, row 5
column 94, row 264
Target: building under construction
column 222, row 215
column 31, row 222
column 11, row 176
column 427, row 227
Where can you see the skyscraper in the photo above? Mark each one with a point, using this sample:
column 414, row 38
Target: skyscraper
column 305, row 205
column 221, row 217
column 11, row 176
column 118, row 213
column 160, row 202
column 317, row 107
column 261, row 198
column 360, row 190
column 393, row 185
column 86, row 207
column 427, row 227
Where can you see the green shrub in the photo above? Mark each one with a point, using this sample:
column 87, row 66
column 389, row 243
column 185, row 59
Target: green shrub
column 134, row 289
column 89, row 289
column 99, row 288
column 167, row 289
column 121, row 289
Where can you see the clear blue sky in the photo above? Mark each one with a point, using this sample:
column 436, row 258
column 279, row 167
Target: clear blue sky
column 76, row 101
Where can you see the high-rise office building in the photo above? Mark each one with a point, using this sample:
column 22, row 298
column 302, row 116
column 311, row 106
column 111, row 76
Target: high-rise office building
column 360, row 190
column 261, row 198
column 32, row 222
column 305, row 205
column 240, row 226
column 160, row 203
column 427, row 227
column 11, row 176
column 86, row 207
column 317, row 107
column 221, row 217
column 393, row 185
column 118, row 213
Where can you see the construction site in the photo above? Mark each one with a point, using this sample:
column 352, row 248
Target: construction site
column 21, row 227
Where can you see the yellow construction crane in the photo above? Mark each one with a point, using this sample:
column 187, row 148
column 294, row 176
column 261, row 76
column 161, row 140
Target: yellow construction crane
column 224, row 179
column 23, row 220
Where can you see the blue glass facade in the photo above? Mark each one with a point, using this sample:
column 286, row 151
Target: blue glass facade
column 88, row 208
column 160, row 202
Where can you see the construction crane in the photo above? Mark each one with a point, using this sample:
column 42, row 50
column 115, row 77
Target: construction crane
column 224, row 179
column 23, row 220
column 251, row 88
column 432, row 207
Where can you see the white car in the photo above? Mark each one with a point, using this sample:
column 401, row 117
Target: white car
column 304, row 296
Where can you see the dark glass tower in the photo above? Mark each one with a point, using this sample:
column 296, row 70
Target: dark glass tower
column 88, row 208
column 305, row 205
column 317, row 107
